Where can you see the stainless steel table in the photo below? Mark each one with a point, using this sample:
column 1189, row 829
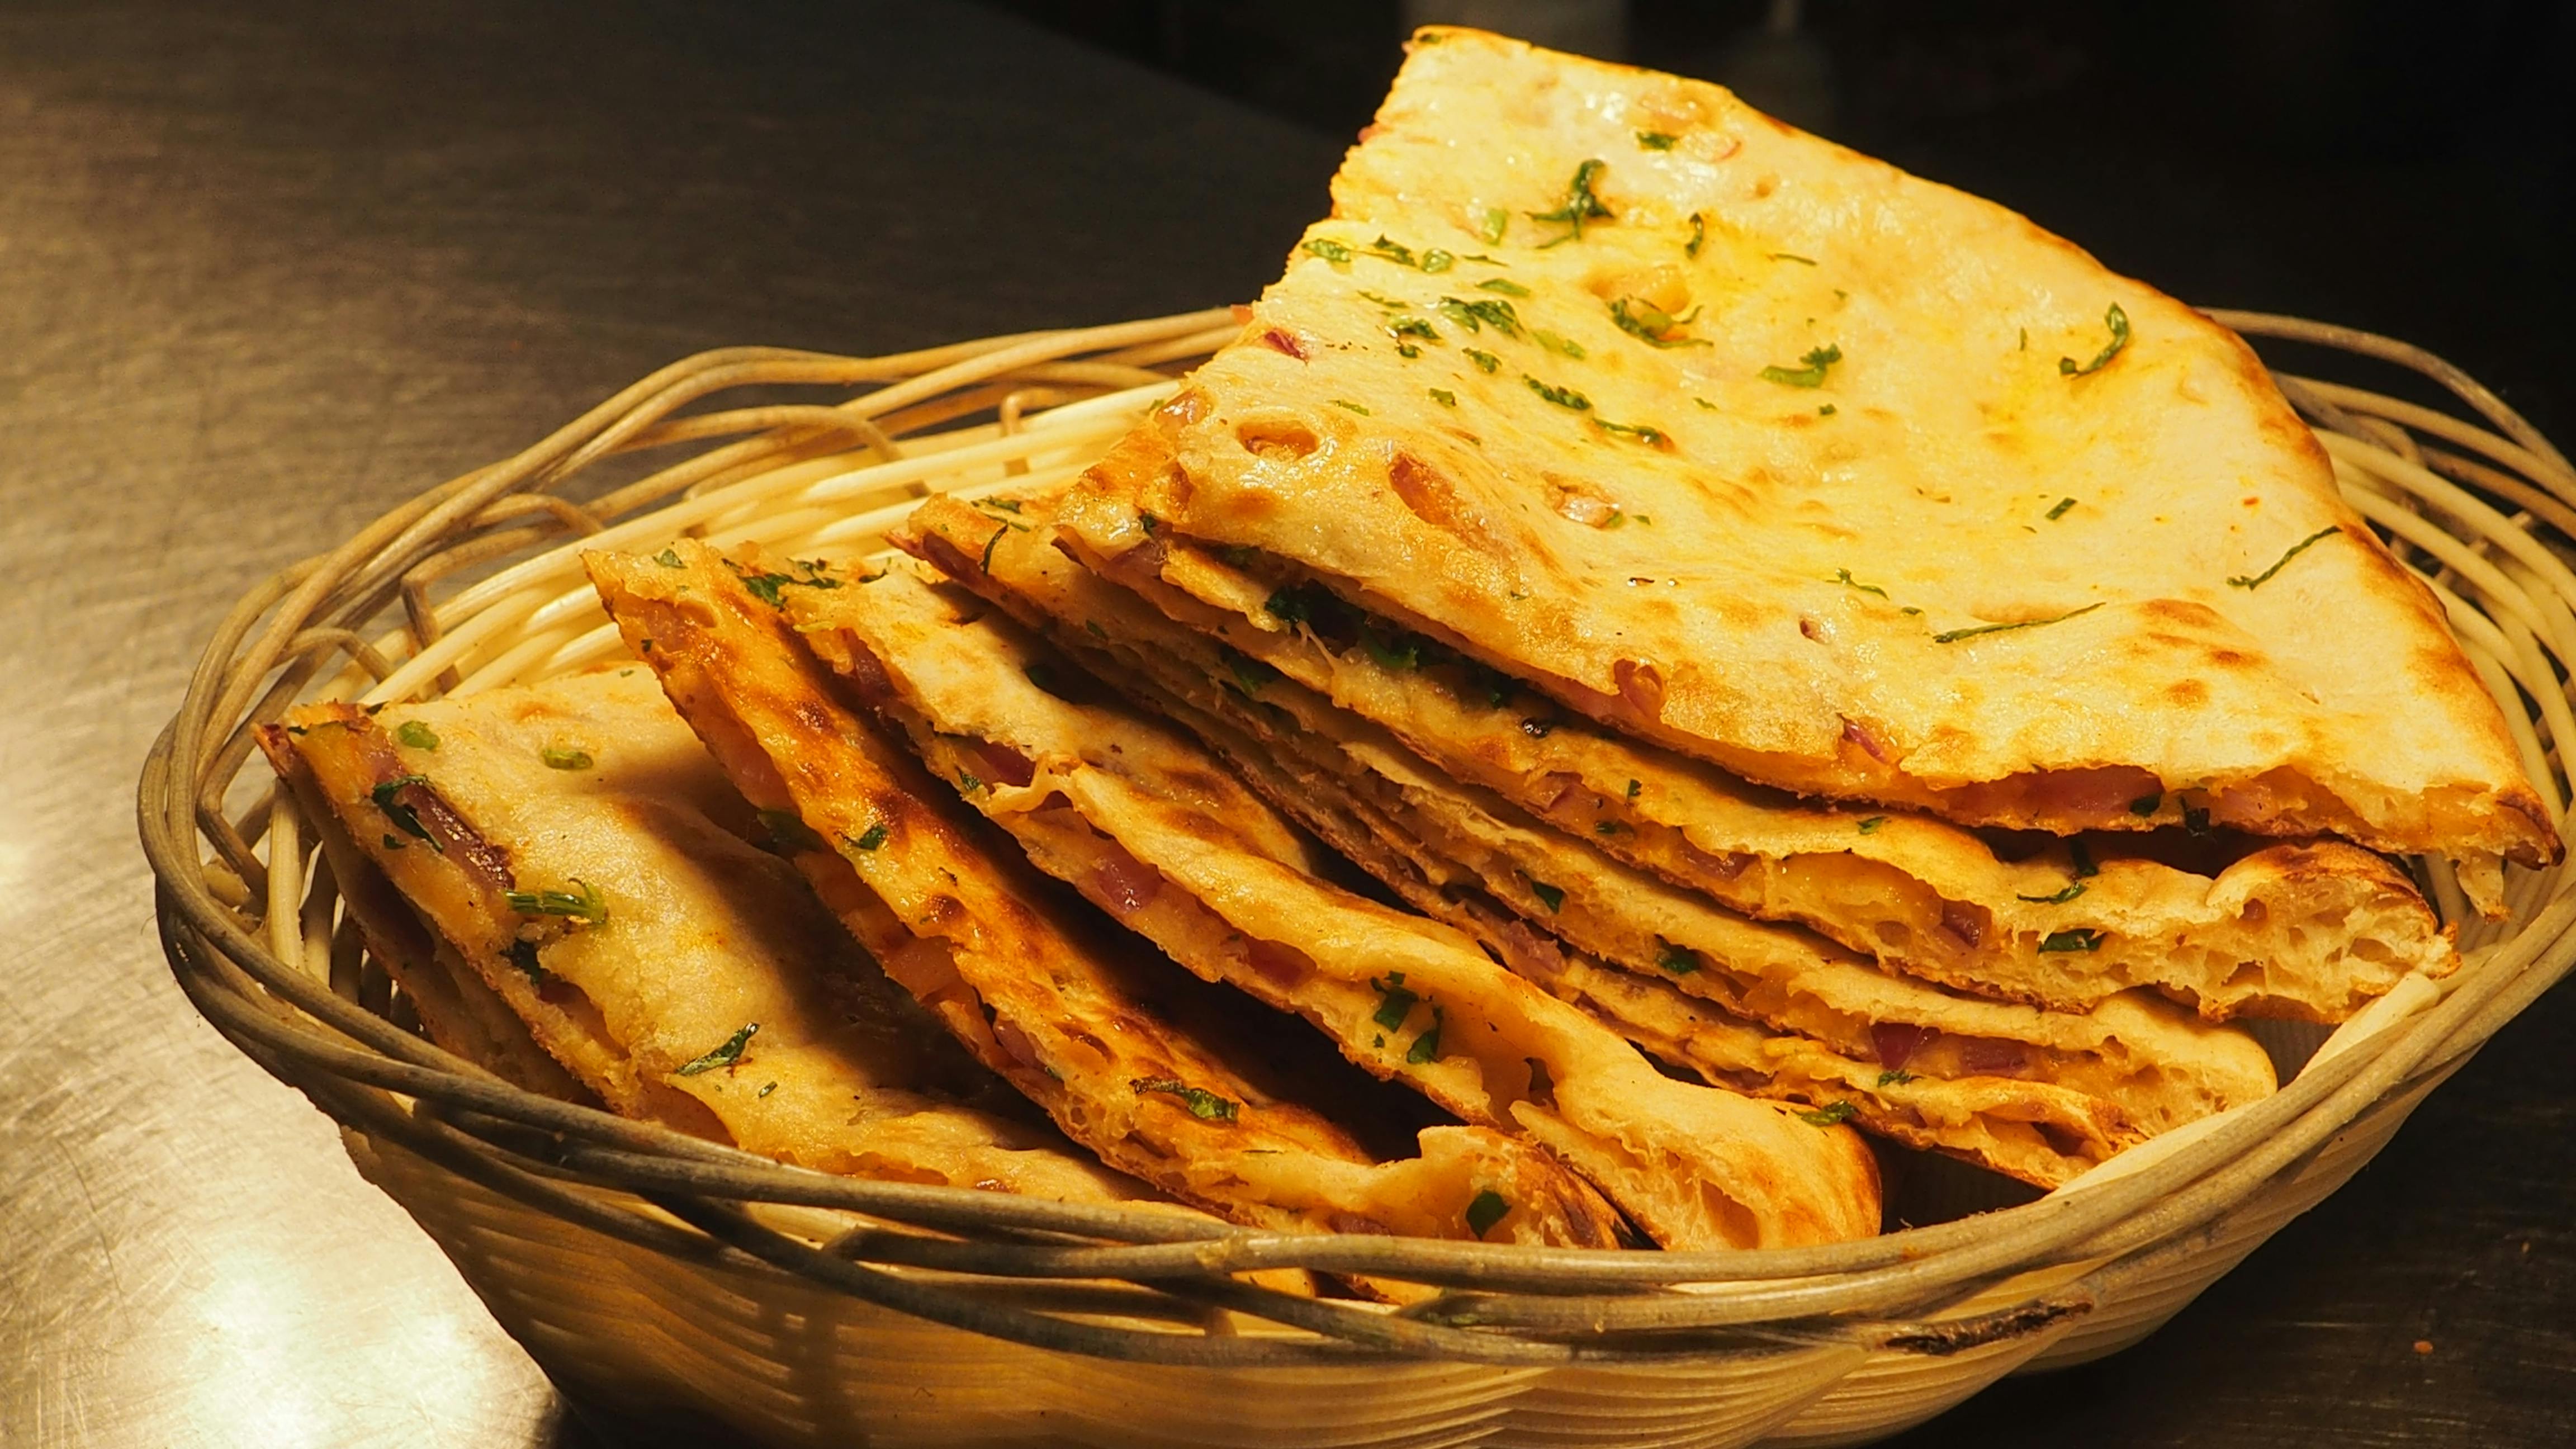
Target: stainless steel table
column 262, row 274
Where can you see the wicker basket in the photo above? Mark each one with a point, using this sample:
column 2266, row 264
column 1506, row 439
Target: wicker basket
column 659, row 1270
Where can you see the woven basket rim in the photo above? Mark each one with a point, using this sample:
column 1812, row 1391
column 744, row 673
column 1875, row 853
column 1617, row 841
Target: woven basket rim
column 229, row 924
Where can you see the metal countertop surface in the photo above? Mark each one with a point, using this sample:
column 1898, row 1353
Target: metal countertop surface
column 264, row 274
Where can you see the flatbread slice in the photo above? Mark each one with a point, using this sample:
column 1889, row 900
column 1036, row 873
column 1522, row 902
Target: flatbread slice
column 1146, row 823
column 2311, row 930
column 1856, row 485
column 1123, row 1052
column 575, row 846
column 2038, row 1095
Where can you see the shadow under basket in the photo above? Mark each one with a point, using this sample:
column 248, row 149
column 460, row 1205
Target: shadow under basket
column 669, row 1275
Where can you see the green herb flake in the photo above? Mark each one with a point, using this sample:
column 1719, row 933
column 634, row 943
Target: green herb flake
column 2059, row 899
column 1485, row 361
column 1678, row 960
column 565, row 757
column 726, row 1055
column 1248, row 674
column 393, row 841
column 1402, row 651
column 1896, row 1077
column 1955, row 635
column 1656, row 140
column 404, row 818
column 582, row 904
column 1443, row 396
column 873, row 838
column 1562, row 346
column 1828, row 410
column 1634, row 788
column 2256, row 581
column 669, row 558
column 1478, row 313
column 967, row 784
column 1830, row 1116
column 1811, row 375
column 768, row 587
column 1503, row 285
column 2079, row 939
column 1493, row 223
column 523, row 954
column 1436, row 260
column 1342, row 402
column 985, row 563
column 1412, row 327
column 1203, row 1104
column 1426, row 1047
column 1564, row 397
column 765, row 1089
column 2079, row 860
column 2025, row 340
column 1487, row 1208
column 1394, row 251
column 1653, row 325
column 1698, row 235
column 788, row 830
column 2059, row 511
column 1394, row 1000
column 1872, row 824
column 2146, row 805
column 1793, row 257
column 1149, row 523
column 1553, row 897
column 1611, row 827
column 417, row 735
column 1330, row 250
column 2118, row 322
column 1651, row 437
column 1580, row 204
column 1844, row 577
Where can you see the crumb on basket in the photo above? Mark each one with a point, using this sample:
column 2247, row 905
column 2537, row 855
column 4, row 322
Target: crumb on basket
column 2423, row 1345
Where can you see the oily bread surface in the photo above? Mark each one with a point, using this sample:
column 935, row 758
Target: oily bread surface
column 1781, row 578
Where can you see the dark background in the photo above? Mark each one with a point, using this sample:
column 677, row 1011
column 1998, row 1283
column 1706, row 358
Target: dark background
column 267, row 270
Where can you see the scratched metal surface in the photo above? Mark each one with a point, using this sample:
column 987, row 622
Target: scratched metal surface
column 263, row 274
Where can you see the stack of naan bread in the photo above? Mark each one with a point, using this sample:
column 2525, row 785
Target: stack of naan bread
column 1706, row 592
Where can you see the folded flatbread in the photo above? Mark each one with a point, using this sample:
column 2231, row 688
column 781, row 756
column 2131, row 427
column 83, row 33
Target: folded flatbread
column 1856, row 485
column 2039, row 1095
column 1130, row 1057
column 2311, row 930
column 1142, row 820
column 579, row 851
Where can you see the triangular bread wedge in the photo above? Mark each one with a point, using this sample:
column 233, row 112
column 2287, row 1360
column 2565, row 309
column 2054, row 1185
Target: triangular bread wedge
column 1131, row 1058
column 1148, row 824
column 1859, row 486
column 2039, row 1095
column 2311, row 930
column 576, row 846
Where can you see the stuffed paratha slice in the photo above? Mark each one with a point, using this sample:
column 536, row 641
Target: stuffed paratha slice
column 1131, row 1058
column 2038, row 1095
column 576, row 847
column 1856, row 485
column 1148, row 824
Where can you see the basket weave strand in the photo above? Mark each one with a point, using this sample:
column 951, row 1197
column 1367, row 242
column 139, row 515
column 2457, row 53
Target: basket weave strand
column 251, row 925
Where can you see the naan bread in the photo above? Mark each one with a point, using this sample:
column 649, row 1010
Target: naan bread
column 1696, row 1167
column 577, row 847
column 2039, row 1095
column 1856, row 485
column 2311, row 930
column 1120, row 1050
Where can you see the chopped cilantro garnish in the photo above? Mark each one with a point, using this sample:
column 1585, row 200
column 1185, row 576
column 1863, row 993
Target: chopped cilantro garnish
column 1679, row 960
column 1844, row 577
column 765, row 1089
column 1564, row 397
column 405, row 818
column 1485, row 361
column 569, row 757
column 394, row 842
column 1485, row 1209
column 1698, row 236
column 788, row 830
column 967, row 784
column 1553, row 897
column 1610, row 827
column 1493, row 223
column 1656, row 140
column 1203, row 1104
column 1811, row 375
column 2059, row 899
column 726, row 1055
column 1503, row 285
column 2079, row 939
column 417, row 735
column 2059, row 511
column 1443, row 396
column 1149, row 523
column 1895, row 1077
column 1634, row 788
column 986, row 562
column 2079, row 858
column 1652, row 437
column 1436, row 260
column 2244, row 581
column 1955, row 635
column 1330, row 250
column 1579, row 206
column 1427, row 1045
column 582, row 904
column 1793, row 257
column 871, row 838
column 1394, row 251
column 1563, row 346
column 1249, row 674
column 523, row 954
column 1479, row 313
column 2118, row 322
column 1828, row 410
column 1871, row 825
column 808, row 575
column 1343, row 402
column 1653, row 325
column 1833, row 1115
column 1413, row 327
column 1394, row 1001
column 669, row 558
column 1399, row 651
